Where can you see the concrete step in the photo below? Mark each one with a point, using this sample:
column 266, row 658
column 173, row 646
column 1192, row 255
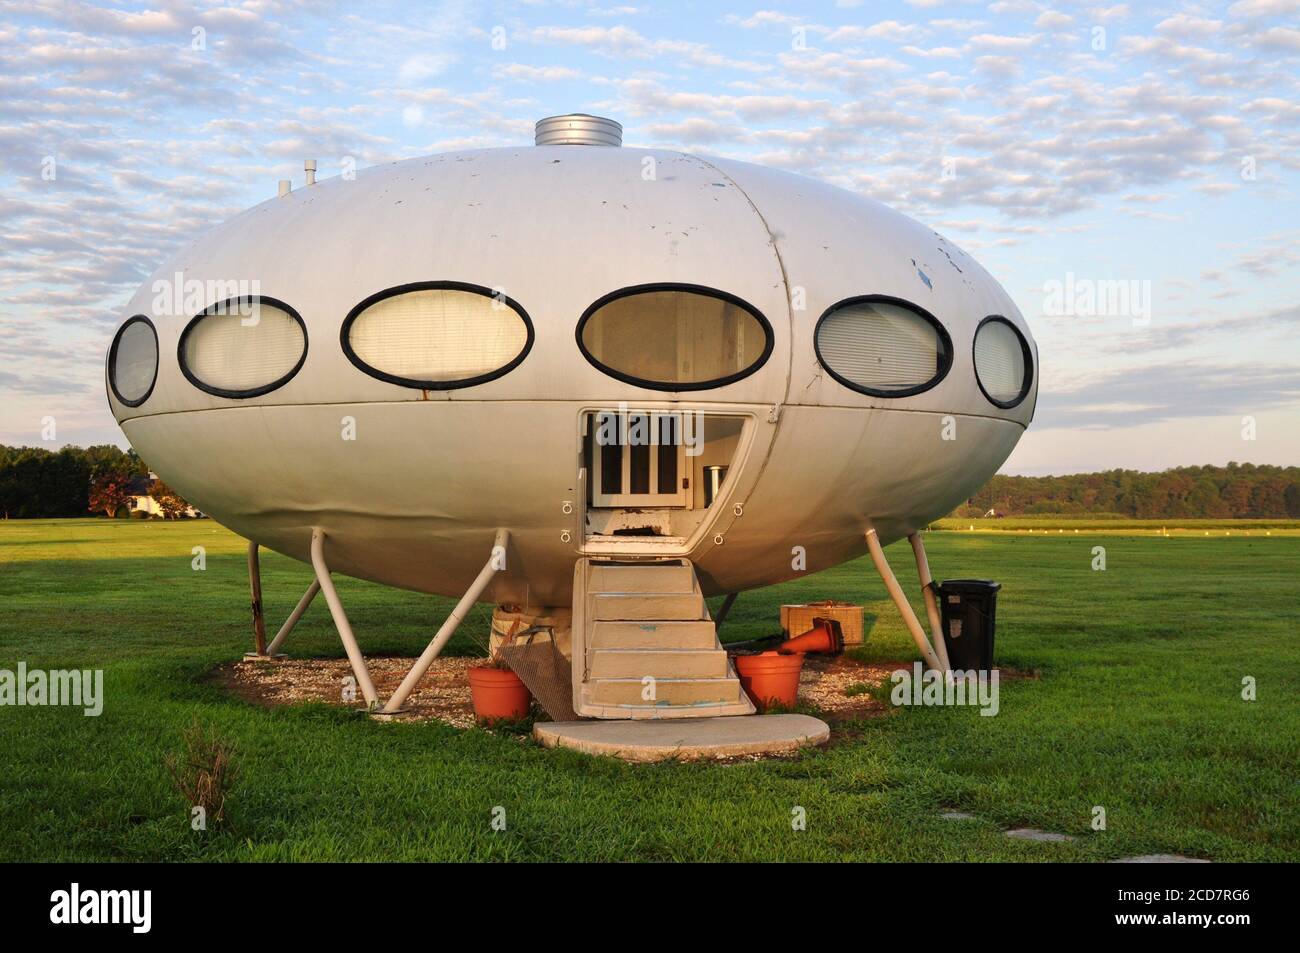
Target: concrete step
column 669, row 692
column 686, row 738
column 650, row 577
column 672, row 663
column 654, row 635
column 653, row 606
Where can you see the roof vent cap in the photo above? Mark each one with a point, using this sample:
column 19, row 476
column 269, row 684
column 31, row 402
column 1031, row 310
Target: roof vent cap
column 578, row 129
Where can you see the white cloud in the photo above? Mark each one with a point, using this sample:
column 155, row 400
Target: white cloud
column 1263, row 8
column 1183, row 25
column 1110, row 14
column 1278, row 38
column 1053, row 20
column 423, row 66
column 1001, row 44
column 522, row 71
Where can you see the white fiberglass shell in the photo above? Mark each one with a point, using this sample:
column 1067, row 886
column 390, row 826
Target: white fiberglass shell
column 410, row 484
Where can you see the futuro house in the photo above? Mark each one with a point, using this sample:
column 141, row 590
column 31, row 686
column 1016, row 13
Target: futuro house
column 646, row 376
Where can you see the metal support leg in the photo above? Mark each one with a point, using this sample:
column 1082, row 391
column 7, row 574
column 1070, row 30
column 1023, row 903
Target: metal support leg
column 294, row 616
column 900, row 600
column 449, row 627
column 341, row 618
column 931, row 604
column 723, row 609
column 255, row 588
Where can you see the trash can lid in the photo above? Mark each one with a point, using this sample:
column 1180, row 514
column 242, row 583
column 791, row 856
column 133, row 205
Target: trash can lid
column 969, row 585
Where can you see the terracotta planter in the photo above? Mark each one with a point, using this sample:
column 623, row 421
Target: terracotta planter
column 770, row 679
column 499, row 694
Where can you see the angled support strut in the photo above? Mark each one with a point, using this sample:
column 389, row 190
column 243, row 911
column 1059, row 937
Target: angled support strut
column 341, row 618
column 900, row 600
column 294, row 616
column 496, row 562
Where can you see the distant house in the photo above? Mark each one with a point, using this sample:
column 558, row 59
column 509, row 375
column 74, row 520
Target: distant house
column 141, row 497
column 141, row 500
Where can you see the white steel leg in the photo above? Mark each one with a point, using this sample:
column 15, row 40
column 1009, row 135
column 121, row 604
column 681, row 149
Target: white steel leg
column 341, row 618
column 900, row 600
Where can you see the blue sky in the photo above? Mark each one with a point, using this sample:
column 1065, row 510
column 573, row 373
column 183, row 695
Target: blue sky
column 1073, row 142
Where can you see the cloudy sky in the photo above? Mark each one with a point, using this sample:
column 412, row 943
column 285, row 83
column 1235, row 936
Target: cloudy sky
column 1067, row 145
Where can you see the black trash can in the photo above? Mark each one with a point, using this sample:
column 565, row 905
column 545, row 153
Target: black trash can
column 969, row 608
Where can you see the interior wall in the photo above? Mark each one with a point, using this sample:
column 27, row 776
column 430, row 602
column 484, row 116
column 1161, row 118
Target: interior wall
column 721, row 439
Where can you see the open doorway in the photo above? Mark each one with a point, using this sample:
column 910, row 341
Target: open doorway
column 654, row 475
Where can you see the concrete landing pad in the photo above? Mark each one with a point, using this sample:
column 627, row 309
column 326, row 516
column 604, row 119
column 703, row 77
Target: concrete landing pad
column 686, row 739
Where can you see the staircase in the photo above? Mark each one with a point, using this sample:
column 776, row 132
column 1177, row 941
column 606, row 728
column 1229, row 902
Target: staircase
column 644, row 645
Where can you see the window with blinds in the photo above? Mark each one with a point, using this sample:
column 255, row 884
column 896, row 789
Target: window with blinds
column 674, row 337
column 883, row 347
column 243, row 348
column 133, row 361
column 437, row 336
column 1001, row 362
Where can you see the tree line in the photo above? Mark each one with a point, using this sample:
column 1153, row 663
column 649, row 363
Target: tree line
column 76, row 481
column 1237, row 491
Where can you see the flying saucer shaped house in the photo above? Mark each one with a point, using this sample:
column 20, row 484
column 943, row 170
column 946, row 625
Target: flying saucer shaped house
column 575, row 376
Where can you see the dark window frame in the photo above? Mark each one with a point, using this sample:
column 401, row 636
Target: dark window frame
column 1025, row 350
column 944, row 337
column 668, row 386
column 397, row 290
column 254, row 391
column 112, row 360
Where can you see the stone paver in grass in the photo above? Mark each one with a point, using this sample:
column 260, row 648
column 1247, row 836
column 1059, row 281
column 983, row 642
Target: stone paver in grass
column 1029, row 833
column 957, row 816
column 1160, row 859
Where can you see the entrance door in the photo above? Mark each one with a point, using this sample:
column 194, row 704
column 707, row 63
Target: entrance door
column 638, row 459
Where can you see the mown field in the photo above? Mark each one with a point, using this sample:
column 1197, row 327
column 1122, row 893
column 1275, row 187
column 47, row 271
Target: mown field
column 1121, row 527
column 1138, row 709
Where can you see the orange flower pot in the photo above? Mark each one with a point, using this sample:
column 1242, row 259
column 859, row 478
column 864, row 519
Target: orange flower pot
column 499, row 694
column 770, row 678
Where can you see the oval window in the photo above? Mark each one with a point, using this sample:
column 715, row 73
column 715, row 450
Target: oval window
column 883, row 346
column 1002, row 362
column 133, row 361
column 437, row 335
column 243, row 347
column 674, row 337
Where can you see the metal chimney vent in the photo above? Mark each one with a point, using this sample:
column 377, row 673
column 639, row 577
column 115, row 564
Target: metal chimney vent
column 578, row 129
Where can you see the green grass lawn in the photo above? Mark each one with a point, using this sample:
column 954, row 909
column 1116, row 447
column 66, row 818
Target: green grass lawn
column 1173, row 526
column 1138, row 710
